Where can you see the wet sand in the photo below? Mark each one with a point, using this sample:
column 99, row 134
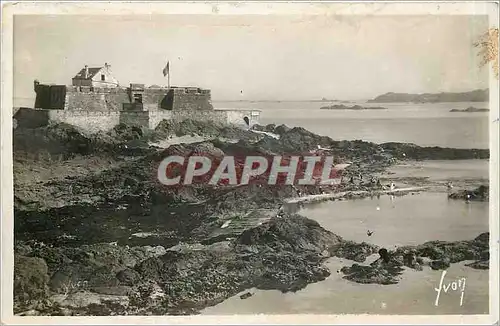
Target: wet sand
column 414, row 294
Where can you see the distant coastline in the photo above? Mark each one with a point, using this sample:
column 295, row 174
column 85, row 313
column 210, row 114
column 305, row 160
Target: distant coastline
column 286, row 101
column 354, row 107
column 478, row 95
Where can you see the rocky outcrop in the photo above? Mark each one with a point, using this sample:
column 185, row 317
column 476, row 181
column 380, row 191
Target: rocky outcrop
column 30, row 281
column 437, row 255
column 412, row 151
column 285, row 254
column 479, row 194
column 470, row 109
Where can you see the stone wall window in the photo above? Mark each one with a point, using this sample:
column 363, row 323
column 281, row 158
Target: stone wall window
column 138, row 98
column 103, row 77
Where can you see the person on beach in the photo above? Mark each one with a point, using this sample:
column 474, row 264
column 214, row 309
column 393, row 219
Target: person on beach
column 384, row 254
column 281, row 212
column 297, row 191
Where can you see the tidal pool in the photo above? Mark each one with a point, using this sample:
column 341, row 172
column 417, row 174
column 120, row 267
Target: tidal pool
column 394, row 221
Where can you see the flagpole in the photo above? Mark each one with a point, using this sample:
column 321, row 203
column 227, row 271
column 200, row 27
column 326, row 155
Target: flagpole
column 166, row 73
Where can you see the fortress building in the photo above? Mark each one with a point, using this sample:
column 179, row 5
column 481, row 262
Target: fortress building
column 97, row 102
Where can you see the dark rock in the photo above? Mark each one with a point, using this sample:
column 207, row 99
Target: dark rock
column 353, row 251
column 437, row 254
column 479, row 194
column 412, row 151
column 246, row 295
column 480, row 264
column 293, row 232
column 112, row 290
column 386, row 273
column 281, row 129
column 30, row 279
column 270, row 127
column 128, row 276
column 470, row 109
column 440, row 264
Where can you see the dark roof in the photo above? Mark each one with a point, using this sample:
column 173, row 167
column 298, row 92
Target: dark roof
column 92, row 73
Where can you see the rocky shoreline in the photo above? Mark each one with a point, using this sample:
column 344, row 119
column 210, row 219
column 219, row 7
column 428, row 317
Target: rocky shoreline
column 470, row 109
column 96, row 234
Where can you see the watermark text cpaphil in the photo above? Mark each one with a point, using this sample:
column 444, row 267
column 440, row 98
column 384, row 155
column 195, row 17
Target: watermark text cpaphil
column 243, row 170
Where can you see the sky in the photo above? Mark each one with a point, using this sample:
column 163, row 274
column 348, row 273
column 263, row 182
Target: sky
column 257, row 57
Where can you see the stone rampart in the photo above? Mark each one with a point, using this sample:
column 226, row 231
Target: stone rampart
column 91, row 122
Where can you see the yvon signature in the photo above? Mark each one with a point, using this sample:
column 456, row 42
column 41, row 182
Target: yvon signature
column 457, row 285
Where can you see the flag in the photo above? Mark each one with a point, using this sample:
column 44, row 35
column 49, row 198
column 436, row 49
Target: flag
column 166, row 70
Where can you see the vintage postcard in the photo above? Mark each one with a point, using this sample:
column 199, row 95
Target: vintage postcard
column 249, row 163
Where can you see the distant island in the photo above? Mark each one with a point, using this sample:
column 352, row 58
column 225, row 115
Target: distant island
column 355, row 107
column 470, row 109
column 479, row 95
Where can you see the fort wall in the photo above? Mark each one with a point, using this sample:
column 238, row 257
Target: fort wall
column 135, row 118
column 146, row 119
column 29, row 118
column 151, row 119
column 237, row 117
column 91, row 122
column 200, row 115
column 95, row 121
column 155, row 99
column 96, row 109
column 112, row 99
column 155, row 117
column 95, row 99
column 189, row 98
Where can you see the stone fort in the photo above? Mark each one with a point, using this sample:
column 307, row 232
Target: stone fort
column 96, row 102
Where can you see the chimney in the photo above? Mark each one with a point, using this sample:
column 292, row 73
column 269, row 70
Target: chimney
column 107, row 66
column 86, row 72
